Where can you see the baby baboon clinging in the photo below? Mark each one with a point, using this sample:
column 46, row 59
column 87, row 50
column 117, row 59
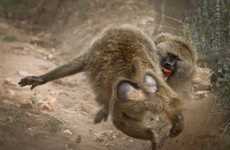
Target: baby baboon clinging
column 178, row 61
column 128, row 82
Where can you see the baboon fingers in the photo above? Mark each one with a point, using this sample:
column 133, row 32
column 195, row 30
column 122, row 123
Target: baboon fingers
column 31, row 80
column 24, row 82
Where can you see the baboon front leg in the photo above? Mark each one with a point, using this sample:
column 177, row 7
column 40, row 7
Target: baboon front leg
column 177, row 119
column 75, row 66
column 177, row 124
column 101, row 115
column 104, row 98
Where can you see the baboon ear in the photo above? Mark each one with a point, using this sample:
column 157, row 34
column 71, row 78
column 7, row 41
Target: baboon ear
column 162, row 37
column 185, row 49
column 128, row 91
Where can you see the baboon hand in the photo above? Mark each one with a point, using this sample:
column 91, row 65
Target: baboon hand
column 178, row 125
column 31, row 80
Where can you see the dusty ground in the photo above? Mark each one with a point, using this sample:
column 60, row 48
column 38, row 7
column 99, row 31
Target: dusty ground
column 59, row 115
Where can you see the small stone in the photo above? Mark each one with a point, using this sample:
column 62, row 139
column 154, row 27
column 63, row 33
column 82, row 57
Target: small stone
column 45, row 107
column 131, row 140
column 53, row 93
column 23, row 73
column 114, row 136
column 11, row 92
column 50, row 56
column 47, row 104
column 9, row 81
column 107, row 144
column 67, row 132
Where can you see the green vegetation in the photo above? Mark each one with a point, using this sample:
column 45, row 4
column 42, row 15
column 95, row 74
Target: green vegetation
column 53, row 125
column 8, row 38
column 9, row 3
column 15, row 8
column 210, row 30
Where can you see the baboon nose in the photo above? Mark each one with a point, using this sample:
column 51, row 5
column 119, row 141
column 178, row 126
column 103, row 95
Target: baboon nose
column 167, row 65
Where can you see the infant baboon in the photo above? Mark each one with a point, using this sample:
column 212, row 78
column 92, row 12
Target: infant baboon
column 128, row 83
column 178, row 61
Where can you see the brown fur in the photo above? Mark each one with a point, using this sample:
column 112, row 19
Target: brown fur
column 125, row 55
column 181, row 81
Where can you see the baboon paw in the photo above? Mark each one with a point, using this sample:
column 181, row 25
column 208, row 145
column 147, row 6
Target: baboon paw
column 102, row 115
column 178, row 125
column 31, row 80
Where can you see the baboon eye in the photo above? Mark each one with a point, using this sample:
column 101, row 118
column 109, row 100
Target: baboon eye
column 151, row 83
column 129, row 91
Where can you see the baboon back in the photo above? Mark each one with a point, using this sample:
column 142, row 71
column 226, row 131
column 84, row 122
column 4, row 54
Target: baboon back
column 115, row 53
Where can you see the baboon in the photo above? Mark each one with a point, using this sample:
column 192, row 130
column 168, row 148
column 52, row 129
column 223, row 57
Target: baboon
column 124, row 71
column 178, row 61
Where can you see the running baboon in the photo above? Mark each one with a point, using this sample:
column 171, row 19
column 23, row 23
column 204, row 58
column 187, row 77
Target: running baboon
column 124, row 71
column 178, row 61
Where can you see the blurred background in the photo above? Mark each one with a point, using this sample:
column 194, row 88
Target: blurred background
column 37, row 35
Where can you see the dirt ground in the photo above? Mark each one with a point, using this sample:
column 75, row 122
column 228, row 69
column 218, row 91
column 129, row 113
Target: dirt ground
column 59, row 115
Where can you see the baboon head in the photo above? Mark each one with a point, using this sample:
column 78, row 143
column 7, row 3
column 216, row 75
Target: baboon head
column 147, row 109
column 178, row 61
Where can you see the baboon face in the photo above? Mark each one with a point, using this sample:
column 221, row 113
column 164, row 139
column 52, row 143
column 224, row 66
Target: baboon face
column 139, row 109
column 174, row 65
column 169, row 64
column 178, row 62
